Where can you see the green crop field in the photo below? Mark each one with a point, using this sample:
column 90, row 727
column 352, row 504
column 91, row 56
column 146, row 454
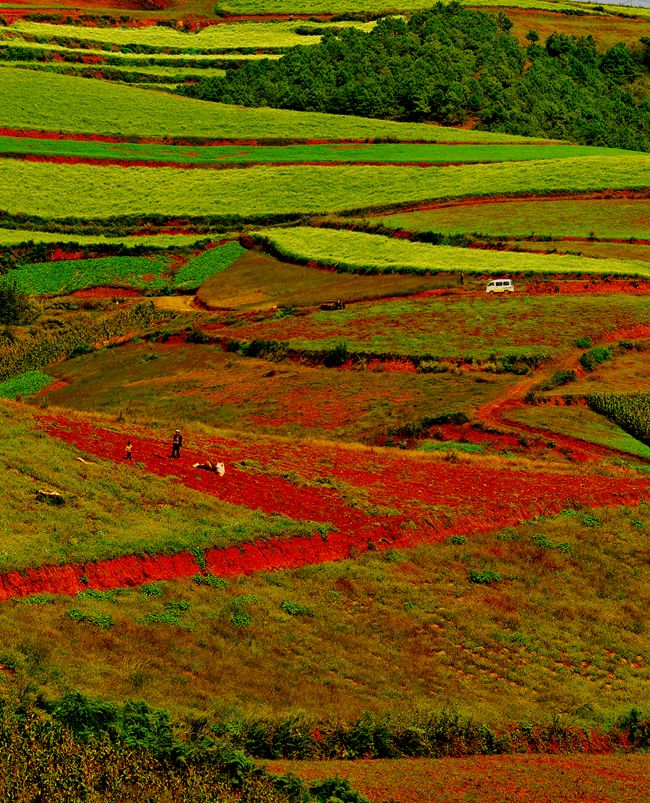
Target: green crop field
column 218, row 37
column 154, row 273
column 65, row 103
column 22, row 236
column 337, row 153
column 356, row 251
column 611, row 218
column 86, row 191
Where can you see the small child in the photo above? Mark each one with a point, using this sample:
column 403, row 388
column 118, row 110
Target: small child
column 128, row 450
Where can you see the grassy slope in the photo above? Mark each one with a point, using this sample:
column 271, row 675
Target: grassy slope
column 111, row 509
column 532, row 779
column 156, row 383
column 562, row 631
column 63, row 103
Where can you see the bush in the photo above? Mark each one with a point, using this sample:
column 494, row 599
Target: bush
column 595, row 356
column 485, row 577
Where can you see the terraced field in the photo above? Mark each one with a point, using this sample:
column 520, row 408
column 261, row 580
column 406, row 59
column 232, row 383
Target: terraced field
column 303, row 296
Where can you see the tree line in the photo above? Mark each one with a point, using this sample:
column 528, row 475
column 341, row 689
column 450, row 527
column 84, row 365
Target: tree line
column 455, row 66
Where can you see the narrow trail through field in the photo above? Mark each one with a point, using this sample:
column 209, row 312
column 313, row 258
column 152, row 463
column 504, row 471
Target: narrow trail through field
column 494, row 414
column 369, row 498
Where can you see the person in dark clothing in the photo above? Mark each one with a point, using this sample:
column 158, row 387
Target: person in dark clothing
column 128, row 451
column 177, row 442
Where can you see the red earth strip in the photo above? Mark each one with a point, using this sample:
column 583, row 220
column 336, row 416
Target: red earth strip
column 430, row 500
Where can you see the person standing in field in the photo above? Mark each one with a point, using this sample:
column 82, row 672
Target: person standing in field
column 128, row 451
column 177, row 442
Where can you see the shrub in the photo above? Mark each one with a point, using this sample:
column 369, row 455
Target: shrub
column 484, row 577
column 595, row 356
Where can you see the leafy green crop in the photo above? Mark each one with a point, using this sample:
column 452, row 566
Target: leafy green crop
column 24, row 385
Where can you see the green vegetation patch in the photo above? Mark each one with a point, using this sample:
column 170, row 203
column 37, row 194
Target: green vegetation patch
column 464, row 327
column 151, row 273
column 200, row 268
column 24, row 385
column 394, row 153
column 355, row 251
column 33, row 100
column 581, row 422
column 631, row 411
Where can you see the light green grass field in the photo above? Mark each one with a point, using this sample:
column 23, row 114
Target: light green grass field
column 358, row 251
column 87, row 191
column 392, row 153
column 65, row 103
column 610, row 217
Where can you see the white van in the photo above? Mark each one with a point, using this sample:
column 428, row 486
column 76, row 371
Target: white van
column 500, row 286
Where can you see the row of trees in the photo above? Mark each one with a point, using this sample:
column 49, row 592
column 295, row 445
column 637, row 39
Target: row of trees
column 453, row 65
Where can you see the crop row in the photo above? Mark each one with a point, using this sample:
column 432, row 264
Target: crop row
column 151, row 273
column 264, row 193
column 371, row 253
column 65, row 103
column 24, row 49
column 631, row 411
column 388, row 153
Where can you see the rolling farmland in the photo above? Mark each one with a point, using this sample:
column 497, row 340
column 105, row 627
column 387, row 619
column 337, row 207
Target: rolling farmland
column 427, row 539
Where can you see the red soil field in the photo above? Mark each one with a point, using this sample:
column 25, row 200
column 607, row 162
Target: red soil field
column 489, row 779
column 374, row 498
